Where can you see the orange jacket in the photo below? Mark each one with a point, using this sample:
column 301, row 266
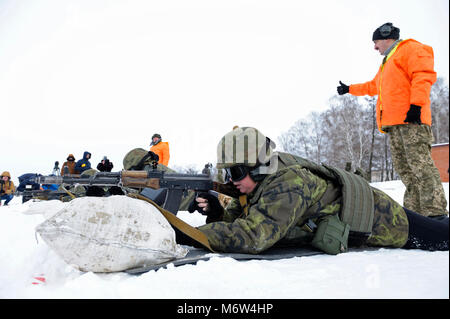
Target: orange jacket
column 406, row 78
column 162, row 150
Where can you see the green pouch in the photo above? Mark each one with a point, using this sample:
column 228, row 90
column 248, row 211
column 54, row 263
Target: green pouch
column 331, row 235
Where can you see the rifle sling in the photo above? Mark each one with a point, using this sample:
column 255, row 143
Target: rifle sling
column 67, row 191
column 182, row 226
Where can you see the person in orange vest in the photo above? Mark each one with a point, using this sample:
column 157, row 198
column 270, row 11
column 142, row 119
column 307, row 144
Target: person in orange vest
column 403, row 84
column 161, row 149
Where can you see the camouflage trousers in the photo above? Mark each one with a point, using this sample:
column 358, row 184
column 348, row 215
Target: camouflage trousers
column 411, row 155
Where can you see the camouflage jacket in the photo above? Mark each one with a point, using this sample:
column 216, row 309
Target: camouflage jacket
column 277, row 209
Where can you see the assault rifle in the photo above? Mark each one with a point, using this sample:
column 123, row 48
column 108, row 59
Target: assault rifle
column 166, row 189
column 44, row 194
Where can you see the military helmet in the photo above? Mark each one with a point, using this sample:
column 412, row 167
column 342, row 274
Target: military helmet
column 244, row 146
column 133, row 158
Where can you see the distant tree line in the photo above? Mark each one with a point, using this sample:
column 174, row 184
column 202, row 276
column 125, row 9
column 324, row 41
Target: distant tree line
column 346, row 134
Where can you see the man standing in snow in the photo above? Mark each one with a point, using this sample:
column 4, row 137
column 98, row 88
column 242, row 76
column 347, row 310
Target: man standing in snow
column 403, row 85
column 161, row 149
column 288, row 200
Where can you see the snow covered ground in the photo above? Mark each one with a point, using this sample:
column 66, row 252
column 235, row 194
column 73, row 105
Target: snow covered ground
column 386, row 273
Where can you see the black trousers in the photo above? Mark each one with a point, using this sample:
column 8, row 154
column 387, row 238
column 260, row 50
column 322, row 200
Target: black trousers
column 426, row 233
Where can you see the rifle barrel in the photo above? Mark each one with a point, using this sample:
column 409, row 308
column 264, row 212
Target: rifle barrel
column 91, row 180
column 136, row 179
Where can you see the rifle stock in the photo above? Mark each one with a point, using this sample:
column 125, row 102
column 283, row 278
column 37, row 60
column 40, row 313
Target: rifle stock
column 139, row 182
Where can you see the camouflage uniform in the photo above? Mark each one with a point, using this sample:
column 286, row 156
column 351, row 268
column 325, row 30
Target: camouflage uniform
column 277, row 208
column 411, row 155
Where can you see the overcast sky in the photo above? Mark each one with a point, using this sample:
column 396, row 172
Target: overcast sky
column 103, row 75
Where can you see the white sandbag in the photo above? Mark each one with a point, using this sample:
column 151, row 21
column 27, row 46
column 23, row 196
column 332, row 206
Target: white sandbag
column 106, row 234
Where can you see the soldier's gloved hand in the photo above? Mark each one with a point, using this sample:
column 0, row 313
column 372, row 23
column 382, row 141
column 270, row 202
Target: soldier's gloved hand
column 209, row 205
column 193, row 206
column 183, row 239
column 153, row 156
column 343, row 89
column 413, row 115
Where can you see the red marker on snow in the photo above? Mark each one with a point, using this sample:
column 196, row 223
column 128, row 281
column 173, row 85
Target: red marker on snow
column 39, row 280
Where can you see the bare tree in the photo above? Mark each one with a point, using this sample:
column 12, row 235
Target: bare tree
column 354, row 124
column 372, row 102
column 440, row 111
column 187, row 169
column 296, row 139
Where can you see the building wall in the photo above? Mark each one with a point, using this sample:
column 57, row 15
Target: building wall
column 439, row 153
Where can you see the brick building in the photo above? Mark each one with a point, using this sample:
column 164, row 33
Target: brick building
column 439, row 153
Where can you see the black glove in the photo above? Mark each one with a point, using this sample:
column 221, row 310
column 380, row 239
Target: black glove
column 183, row 239
column 413, row 115
column 193, row 206
column 342, row 89
column 153, row 156
column 215, row 211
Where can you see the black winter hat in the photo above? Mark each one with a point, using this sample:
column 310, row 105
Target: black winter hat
column 386, row 31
